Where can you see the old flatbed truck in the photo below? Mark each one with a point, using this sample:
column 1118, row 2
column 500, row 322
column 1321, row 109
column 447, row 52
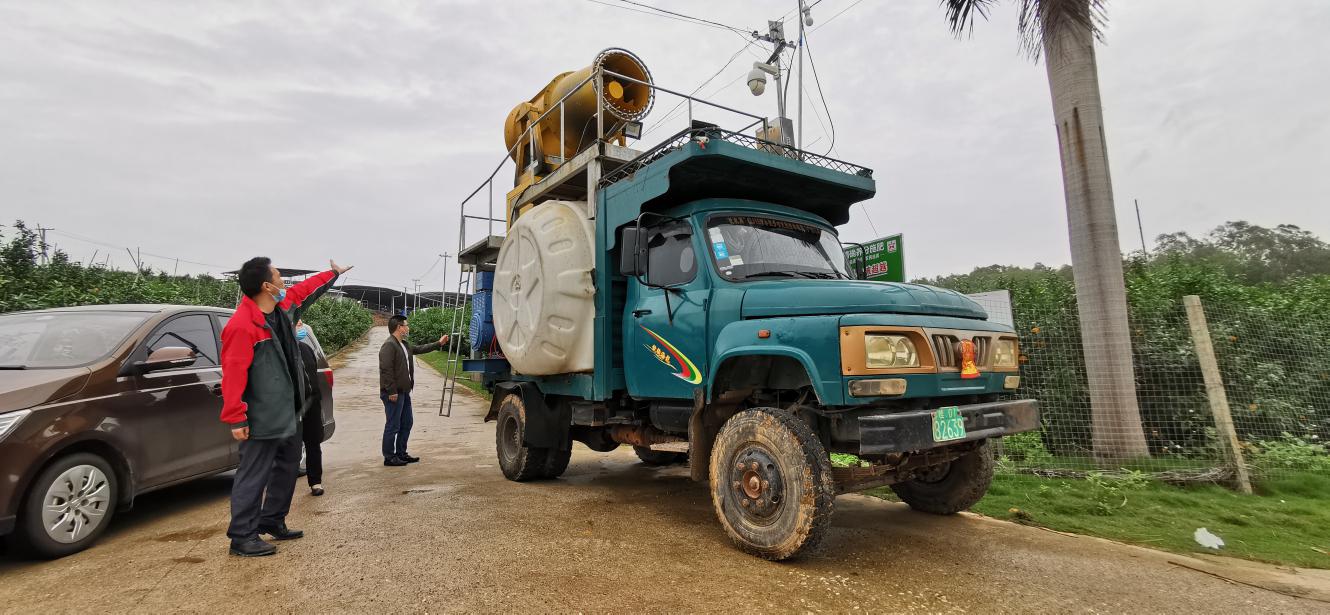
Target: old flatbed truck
column 697, row 306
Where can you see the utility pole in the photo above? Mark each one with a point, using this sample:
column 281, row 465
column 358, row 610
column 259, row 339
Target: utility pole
column 415, row 302
column 802, row 17
column 1140, row 227
column 41, row 236
column 443, row 299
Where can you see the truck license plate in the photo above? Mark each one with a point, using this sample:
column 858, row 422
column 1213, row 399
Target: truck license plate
column 948, row 424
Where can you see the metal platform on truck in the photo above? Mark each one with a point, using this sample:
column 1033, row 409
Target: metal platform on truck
column 569, row 181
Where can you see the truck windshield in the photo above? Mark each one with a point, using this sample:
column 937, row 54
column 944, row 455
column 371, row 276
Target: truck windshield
column 755, row 247
column 62, row 339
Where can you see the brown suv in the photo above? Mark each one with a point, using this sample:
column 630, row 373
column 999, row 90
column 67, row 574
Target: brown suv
column 99, row 404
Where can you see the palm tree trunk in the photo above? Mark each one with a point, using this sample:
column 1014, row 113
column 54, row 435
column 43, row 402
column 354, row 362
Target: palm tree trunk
column 1096, row 258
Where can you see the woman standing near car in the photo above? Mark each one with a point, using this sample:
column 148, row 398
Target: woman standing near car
column 311, row 427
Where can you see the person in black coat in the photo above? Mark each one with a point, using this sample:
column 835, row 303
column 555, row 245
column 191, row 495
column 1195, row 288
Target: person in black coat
column 311, row 426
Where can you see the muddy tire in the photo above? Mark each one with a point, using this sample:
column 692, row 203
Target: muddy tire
column 67, row 507
column 518, row 462
column 556, row 462
column 659, row 458
column 951, row 487
column 771, row 483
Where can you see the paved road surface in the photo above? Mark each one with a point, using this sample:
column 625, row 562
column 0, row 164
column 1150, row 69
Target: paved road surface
column 450, row 534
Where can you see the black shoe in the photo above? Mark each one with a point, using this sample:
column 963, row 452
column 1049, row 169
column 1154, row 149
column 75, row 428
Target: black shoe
column 408, row 458
column 281, row 532
column 253, row 547
column 316, row 490
column 301, row 472
column 394, row 461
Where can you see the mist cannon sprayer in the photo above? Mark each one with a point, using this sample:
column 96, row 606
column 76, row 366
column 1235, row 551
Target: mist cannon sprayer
column 563, row 130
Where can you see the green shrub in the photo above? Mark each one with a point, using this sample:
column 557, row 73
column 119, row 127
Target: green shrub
column 1026, row 448
column 338, row 323
column 1290, row 453
column 429, row 325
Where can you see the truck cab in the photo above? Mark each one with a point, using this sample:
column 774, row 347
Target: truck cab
column 730, row 333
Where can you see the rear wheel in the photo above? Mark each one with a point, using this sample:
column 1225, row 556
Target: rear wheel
column 659, row 458
column 771, row 483
column 518, row 462
column 950, row 487
column 68, row 506
column 556, row 461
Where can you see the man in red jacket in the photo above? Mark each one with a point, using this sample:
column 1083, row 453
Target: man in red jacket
column 263, row 389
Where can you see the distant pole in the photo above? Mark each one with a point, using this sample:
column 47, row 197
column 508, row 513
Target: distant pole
column 1140, row 227
column 41, row 234
column 443, row 299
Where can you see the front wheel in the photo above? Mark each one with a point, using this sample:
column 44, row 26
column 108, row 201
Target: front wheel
column 68, row 506
column 771, row 483
column 951, row 487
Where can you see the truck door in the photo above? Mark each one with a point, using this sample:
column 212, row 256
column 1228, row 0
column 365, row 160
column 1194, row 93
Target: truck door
column 665, row 349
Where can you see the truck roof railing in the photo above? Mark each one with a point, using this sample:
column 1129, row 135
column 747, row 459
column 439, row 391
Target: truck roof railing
column 687, row 135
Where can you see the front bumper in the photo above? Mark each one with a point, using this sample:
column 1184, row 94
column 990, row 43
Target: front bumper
column 902, row 432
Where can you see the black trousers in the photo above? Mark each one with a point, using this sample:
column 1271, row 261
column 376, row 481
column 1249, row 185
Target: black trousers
column 264, row 485
column 312, row 434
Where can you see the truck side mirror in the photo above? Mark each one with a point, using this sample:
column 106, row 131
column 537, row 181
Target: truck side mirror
column 630, row 257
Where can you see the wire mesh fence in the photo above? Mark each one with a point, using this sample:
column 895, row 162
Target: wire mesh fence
column 1240, row 393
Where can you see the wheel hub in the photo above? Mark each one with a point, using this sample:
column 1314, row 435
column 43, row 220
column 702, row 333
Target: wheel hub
column 75, row 504
column 756, row 483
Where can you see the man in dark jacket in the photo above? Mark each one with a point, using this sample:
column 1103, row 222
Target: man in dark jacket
column 397, row 376
column 263, row 396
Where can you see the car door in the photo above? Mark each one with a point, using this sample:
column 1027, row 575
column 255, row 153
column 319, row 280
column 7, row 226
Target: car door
column 665, row 324
column 233, row 445
column 178, row 424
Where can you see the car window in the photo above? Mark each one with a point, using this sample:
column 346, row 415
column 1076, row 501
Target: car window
column 36, row 340
column 195, row 329
column 671, row 258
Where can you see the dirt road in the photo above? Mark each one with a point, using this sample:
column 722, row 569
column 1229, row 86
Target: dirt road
column 450, row 534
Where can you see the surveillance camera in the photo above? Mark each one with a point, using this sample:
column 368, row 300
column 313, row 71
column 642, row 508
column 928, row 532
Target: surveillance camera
column 757, row 81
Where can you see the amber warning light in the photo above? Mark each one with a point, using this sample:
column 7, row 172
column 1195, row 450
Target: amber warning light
column 968, row 367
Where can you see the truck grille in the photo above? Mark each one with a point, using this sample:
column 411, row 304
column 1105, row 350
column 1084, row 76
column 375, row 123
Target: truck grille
column 947, row 348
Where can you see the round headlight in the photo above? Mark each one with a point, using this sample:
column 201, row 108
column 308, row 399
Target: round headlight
column 889, row 351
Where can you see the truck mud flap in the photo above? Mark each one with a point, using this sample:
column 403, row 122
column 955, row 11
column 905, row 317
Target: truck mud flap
column 546, row 427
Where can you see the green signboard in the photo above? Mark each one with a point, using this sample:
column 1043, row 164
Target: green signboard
column 880, row 260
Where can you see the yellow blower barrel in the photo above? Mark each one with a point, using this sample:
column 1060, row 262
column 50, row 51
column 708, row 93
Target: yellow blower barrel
column 624, row 101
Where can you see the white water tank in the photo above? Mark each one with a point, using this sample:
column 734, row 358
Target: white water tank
column 544, row 295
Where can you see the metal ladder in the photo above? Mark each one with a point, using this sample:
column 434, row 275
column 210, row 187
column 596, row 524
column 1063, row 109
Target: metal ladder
column 456, row 328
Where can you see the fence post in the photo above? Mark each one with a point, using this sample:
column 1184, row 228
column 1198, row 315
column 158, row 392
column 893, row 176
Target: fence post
column 1214, row 390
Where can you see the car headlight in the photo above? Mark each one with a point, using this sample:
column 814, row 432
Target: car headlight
column 888, row 351
column 10, row 420
column 1004, row 354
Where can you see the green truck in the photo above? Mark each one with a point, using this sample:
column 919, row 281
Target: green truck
column 698, row 307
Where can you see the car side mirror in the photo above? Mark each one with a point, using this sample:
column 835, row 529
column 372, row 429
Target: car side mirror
column 170, row 357
column 630, row 256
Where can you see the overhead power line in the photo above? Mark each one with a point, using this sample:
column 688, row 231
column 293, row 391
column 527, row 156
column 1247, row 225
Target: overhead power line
column 833, row 17
column 104, row 244
column 659, row 12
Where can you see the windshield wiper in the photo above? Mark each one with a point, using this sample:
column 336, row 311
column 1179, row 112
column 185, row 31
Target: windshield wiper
column 812, row 275
column 13, row 367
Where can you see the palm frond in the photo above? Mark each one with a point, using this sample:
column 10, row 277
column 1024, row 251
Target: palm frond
column 1039, row 18
column 961, row 13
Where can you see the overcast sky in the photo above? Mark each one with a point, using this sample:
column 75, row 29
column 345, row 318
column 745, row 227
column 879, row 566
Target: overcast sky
column 215, row 131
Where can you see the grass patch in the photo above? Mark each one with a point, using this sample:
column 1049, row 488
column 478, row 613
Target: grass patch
column 439, row 361
column 1287, row 523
